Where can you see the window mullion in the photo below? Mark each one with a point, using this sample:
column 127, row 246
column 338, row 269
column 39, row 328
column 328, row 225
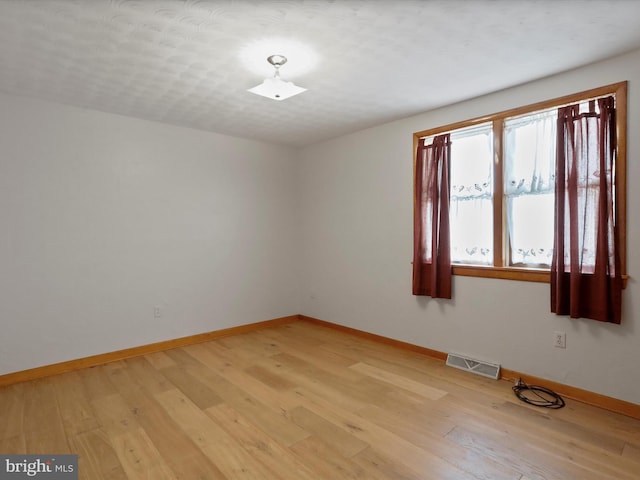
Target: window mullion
column 498, row 194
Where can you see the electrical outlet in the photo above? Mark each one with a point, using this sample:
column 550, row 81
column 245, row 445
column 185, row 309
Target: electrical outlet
column 157, row 312
column 560, row 339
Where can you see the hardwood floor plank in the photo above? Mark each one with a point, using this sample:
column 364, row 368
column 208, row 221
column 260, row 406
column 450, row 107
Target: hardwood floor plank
column 621, row 426
column 327, row 462
column 139, row 457
column 179, row 451
column 219, row 446
column 334, row 388
column 313, row 353
column 114, row 414
column 464, row 439
column 319, row 372
column 148, row 377
column 43, row 429
column 556, row 424
column 96, row 458
column 160, row 360
column 431, row 436
column 399, row 381
column 396, row 400
column 301, row 401
column 75, row 409
column 632, row 452
column 13, row 445
column 277, row 382
column 277, row 458
column 557, row 444
column 224, row 365
column 198, row 391
column 12, row 403
column 415, row 458
column 181, row 358
column 250, row 347
column 425, row 416
column 234, row 392
column 96, row 382
column 276, row 425
column 550, row 442
column 379, row 466
column 348, row 445
column 546, row 428
column 518, row 457
column 299, row 334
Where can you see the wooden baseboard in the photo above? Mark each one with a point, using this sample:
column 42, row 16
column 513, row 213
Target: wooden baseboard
column 100, row 359
column 591, row 398
column 377, row 338
column 584, row 396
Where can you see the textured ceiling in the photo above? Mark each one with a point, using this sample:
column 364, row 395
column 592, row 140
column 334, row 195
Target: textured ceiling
column 180, row 62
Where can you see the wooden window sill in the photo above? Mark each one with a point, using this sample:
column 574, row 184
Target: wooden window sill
column 510, row 273
column 507, row 273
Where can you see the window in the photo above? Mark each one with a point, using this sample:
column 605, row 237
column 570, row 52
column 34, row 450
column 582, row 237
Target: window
column 502, row 181
column 471, row 195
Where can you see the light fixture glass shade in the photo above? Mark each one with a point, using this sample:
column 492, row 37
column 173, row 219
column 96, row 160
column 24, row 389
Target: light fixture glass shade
column 277, row 89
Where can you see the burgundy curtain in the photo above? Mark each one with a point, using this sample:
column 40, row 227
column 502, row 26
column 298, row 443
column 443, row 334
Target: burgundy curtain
column 431, row 246
column 586, row 280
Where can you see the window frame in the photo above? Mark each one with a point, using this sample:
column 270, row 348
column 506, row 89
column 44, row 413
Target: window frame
column 499, row 269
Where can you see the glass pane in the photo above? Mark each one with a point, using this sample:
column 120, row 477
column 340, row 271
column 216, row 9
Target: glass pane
column 472, row 231
column 471, row 209
column 529, row 187
column 530, row 219
column 530, row 147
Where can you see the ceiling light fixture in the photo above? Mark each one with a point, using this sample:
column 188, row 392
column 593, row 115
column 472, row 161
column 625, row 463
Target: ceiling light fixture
column 276, row 88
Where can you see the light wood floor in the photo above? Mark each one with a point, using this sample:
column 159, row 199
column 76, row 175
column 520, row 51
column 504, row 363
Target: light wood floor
column 301, row 401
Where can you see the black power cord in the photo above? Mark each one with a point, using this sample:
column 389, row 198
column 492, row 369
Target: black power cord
column 537, row 396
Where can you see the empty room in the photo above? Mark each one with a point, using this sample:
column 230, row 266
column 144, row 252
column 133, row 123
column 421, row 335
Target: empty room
column 323, row 239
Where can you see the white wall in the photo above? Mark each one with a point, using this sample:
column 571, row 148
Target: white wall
column 103, row 217
column 356, row 195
